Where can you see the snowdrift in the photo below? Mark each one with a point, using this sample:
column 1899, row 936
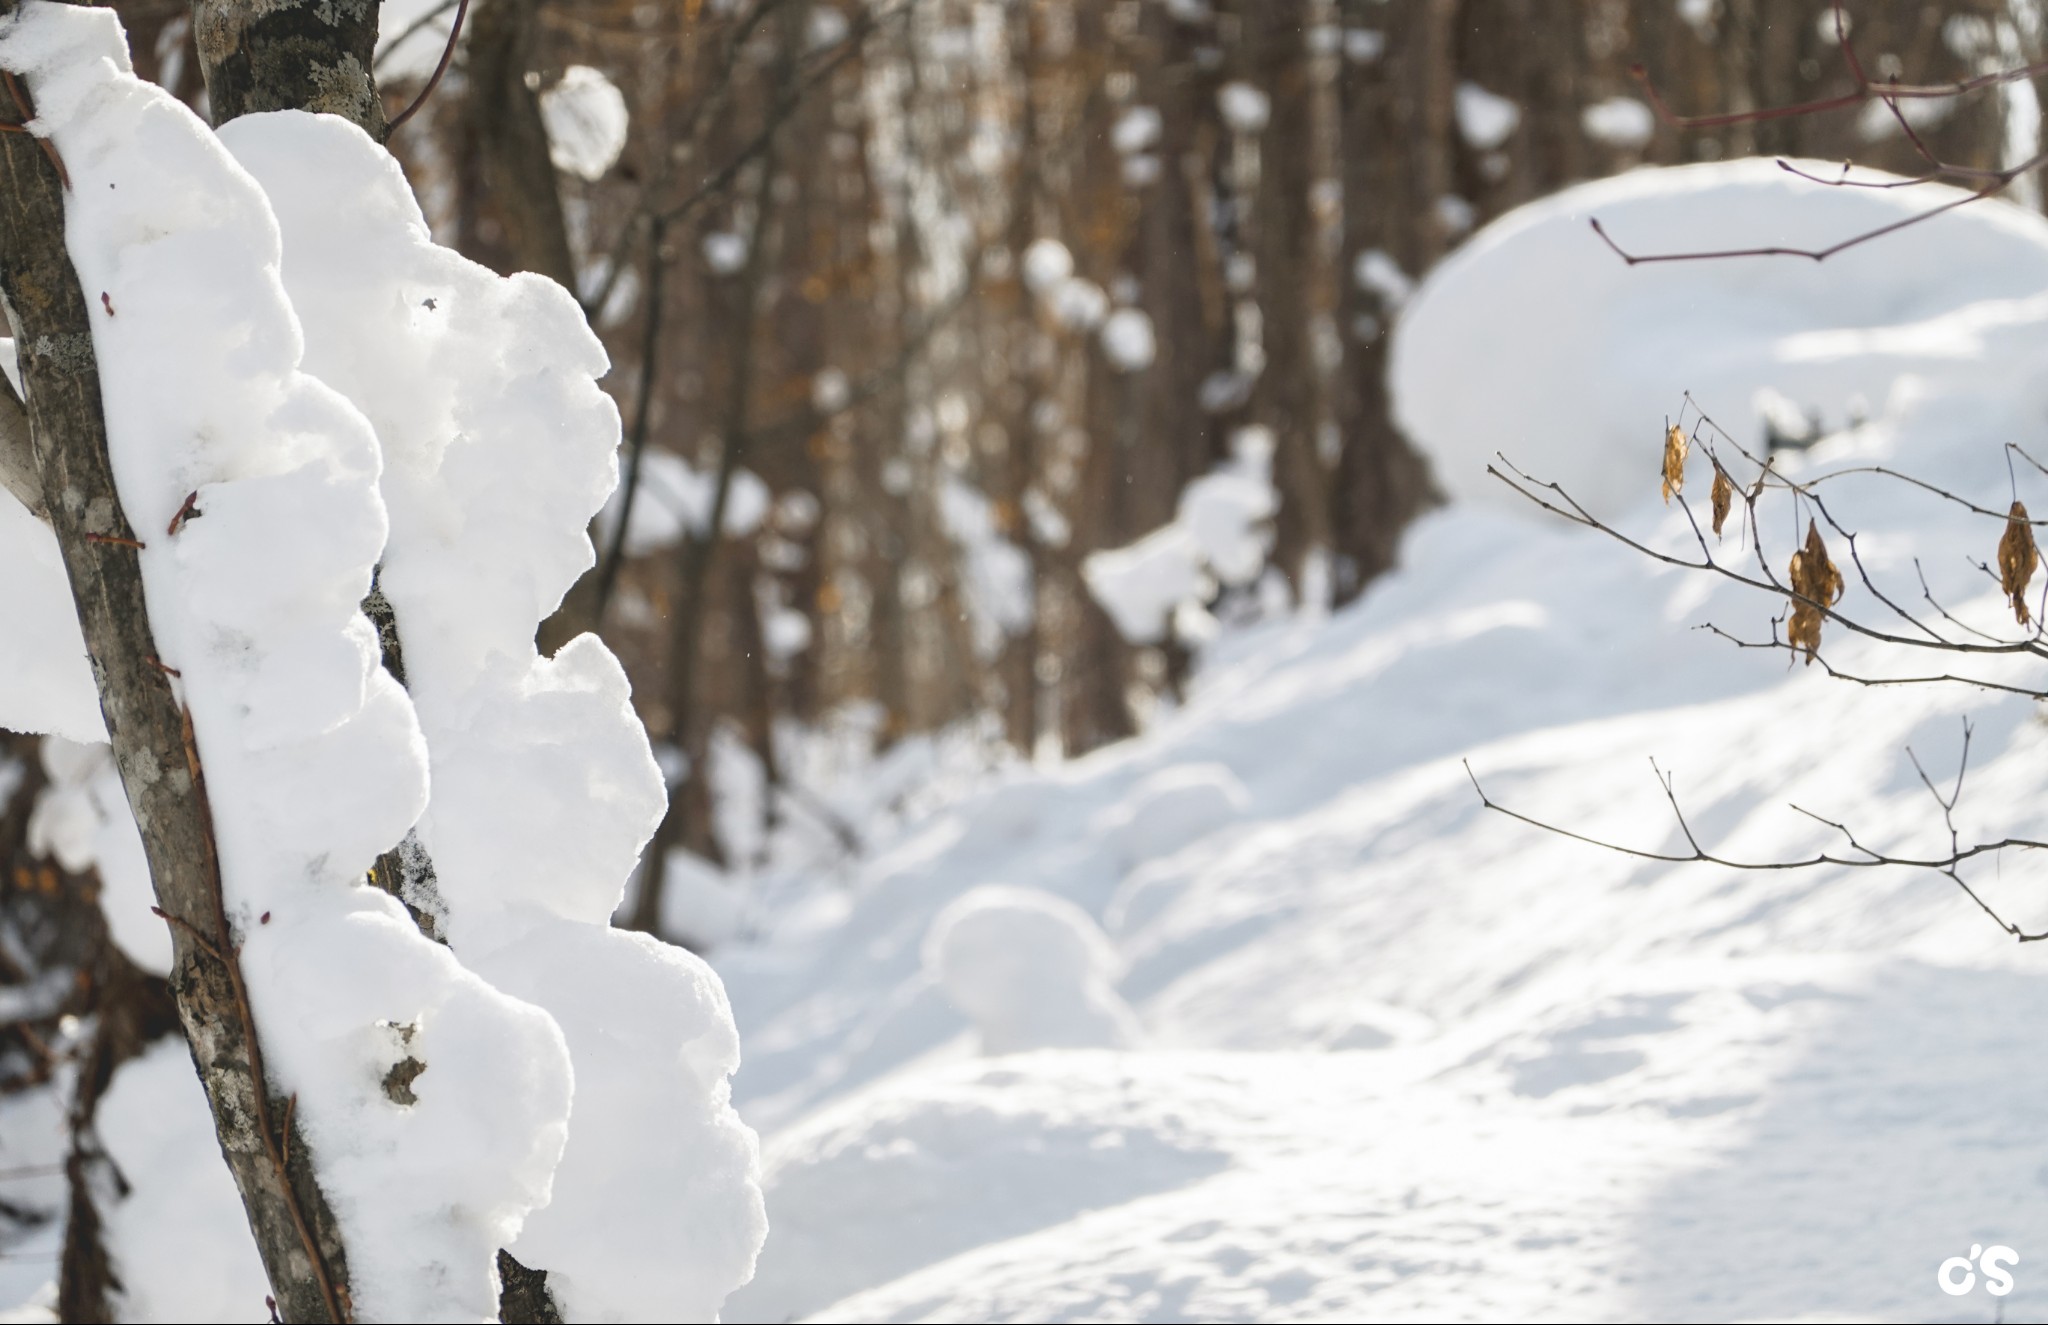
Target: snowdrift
column 1401, row 1057
column 1536, row 332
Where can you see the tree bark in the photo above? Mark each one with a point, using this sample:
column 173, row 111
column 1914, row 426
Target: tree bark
column 154, row 744
column 312, row 55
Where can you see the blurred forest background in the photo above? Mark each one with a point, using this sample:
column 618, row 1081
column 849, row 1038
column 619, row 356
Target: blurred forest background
column 942, row 312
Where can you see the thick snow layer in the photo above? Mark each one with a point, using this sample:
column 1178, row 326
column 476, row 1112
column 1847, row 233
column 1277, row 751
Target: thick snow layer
column 1583, row 356
column 499, row 448
column 313, row 757
column 1405, row 1058
column 585, row 115
column 1139, row 585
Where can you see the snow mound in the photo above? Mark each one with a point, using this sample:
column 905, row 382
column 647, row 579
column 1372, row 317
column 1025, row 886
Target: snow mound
column 886, row 1185
column 1033, row 970
column 1170, row 809
column 1582, row 357
column 1451, row 1065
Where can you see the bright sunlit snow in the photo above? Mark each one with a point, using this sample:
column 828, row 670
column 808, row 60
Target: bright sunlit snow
column 1399, row 1057
column 1261, row 1014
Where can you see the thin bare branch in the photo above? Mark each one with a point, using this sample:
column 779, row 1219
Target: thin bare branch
column 1864, row 858
column 434, row 80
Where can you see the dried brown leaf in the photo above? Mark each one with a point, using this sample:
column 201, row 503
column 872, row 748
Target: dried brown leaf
column 1816, row 584
column 1675, row 445
column 2018, row 558
column 1723, row 496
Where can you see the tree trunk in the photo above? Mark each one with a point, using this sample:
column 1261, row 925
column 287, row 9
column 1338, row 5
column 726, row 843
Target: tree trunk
column 312, row 55
column 511, row 146
column 154, row 745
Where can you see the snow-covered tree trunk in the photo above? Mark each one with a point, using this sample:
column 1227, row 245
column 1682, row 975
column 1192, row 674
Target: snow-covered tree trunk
column 152, row 736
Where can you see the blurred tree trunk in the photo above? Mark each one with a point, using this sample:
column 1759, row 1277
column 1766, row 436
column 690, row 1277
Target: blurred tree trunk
column 1395, row 149
column 1284, row 399
column 518, row 209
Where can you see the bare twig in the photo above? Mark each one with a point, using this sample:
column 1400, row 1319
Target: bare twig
column 1890, row 93
column 1863, row 857
column 1816, row 254
column 412, row 29
column 433, row 80
column 1864, row 91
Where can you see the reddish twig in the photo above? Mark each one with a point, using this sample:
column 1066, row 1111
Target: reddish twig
column 191, row 931
column 1816, row 254
column 434, row 80
column 21, row 103
column 1865, row 90
column 1890, row 94
column 189, row 511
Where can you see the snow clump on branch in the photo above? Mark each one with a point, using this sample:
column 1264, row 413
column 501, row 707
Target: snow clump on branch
column 292, row 353
column 313, row 756
column 499, row 449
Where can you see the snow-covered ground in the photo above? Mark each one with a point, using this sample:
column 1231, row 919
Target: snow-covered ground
column 1392, row 1055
